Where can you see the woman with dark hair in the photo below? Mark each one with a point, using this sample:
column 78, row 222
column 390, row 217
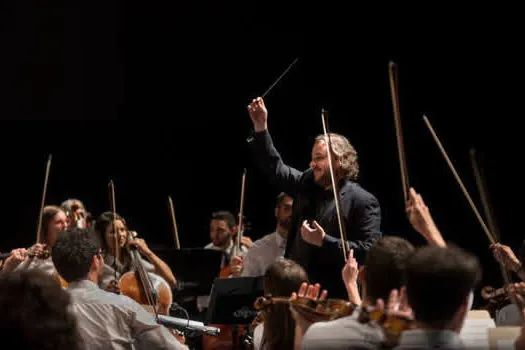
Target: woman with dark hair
column 277, row 331
column 106, row 236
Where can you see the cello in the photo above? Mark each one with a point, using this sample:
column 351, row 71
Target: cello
column 146, row 288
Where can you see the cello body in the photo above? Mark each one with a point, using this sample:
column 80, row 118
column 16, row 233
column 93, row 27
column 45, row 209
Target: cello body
column 131, row 286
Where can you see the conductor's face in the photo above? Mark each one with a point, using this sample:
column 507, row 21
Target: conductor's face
column 320, row 164
column 220, row 233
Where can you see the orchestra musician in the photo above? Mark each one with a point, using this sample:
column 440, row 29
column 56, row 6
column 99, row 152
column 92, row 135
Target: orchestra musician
column 106, row 320
column 105, row 234
column 35, row 313
column 54, row 220
column 223, row 228
column 266, row 250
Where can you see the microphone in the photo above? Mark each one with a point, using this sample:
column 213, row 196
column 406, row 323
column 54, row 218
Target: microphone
column 174, row 322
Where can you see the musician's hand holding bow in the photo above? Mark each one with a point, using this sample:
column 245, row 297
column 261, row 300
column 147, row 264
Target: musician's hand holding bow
column 236, row 265
column 504, row 255
column 421, row 220
column 17, row 256
column 258, row 114
column 37, row 249
column 312, row 234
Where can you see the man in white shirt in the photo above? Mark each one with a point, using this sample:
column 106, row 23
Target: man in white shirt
column 223, row 228
column 106, row 320
column 272, row 246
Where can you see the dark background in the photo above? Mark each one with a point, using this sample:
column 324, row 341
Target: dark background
column 154, row 97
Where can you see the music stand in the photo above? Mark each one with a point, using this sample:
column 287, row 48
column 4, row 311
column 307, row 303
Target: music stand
column 232, row 299
column 194, row 268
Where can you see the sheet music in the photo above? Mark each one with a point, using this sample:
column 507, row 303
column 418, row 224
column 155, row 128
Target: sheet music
column 475, row 332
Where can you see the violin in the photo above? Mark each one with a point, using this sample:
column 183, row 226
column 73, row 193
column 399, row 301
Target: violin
column 310, row 309
column 45, row 254
column 393, row 324
column 496, row 299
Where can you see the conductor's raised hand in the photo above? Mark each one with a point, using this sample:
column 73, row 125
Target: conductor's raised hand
column 258, row 114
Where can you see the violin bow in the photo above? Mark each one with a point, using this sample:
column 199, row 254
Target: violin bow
column 335, row 188
column 114, row 211
column 280, row 77
column 39, row 228
column 241, row 211
column 481, row 184
column 393, row 77
column 174, row 223
column 465, row 192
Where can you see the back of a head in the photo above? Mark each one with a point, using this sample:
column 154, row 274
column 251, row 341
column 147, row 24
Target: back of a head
column 71, row 205
column 385, row 263
column 73, row 253
column 281, row 279
column 438, row 281
column 34, row 313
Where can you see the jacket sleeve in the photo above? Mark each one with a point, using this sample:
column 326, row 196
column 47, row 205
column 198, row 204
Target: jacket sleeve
column 365, row 233
column 269, row 161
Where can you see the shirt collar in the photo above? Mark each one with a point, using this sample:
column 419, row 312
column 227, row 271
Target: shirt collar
column 83, row 284
column 281, row 242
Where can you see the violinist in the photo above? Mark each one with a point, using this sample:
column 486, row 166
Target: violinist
column 313, row 241
column 106, row 320
column 105, row 233
column 277, row 331
column 54, row 220
column 223, row 228
column 439, row 282
column 382, row 272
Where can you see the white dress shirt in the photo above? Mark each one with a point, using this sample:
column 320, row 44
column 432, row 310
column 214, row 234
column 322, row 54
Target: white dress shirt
column 263, row 253
column 115, row 322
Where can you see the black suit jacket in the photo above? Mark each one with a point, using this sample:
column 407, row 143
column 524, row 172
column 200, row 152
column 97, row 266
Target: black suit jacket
column 360, row 211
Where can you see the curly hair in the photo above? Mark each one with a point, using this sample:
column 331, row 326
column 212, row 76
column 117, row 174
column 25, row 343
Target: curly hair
column 73, row 253
column 35, row 313
column 345, row 153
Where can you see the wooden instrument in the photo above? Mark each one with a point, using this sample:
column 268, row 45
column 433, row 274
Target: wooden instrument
column 144, row 287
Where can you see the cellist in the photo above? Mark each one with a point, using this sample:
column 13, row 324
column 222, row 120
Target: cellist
column 104, row 231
